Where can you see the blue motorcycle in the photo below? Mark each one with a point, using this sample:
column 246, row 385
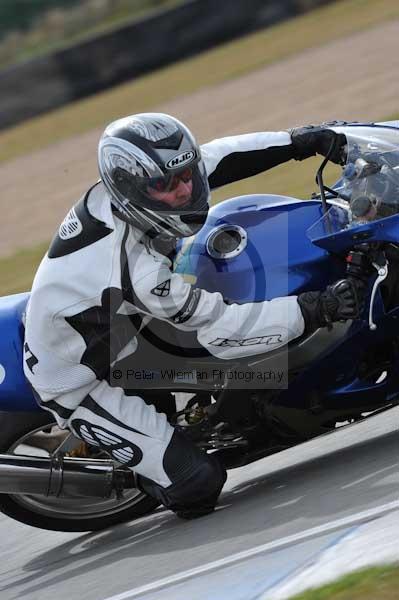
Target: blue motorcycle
column 252, row 248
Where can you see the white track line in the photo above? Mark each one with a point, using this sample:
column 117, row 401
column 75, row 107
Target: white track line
column 369, row 476
column 277, row 544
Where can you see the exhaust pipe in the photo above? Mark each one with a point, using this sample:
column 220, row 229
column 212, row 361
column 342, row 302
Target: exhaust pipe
column 60, row 476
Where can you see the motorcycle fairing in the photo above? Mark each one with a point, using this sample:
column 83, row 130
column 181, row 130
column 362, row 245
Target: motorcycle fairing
column 15, row 392
column 328, row 234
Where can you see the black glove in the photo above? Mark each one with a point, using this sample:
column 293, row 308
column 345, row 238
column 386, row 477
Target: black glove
column 317, row 139
column 340, row 301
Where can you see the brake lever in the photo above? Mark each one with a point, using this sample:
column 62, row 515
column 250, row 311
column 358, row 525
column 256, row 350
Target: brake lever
column 382, row 271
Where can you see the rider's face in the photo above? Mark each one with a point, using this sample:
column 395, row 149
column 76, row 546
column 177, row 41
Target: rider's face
column 178, row 196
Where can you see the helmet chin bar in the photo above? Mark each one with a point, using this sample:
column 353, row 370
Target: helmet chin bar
column 150, row 224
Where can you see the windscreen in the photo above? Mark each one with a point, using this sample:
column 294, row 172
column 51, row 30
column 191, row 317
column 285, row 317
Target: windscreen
column 369, row 186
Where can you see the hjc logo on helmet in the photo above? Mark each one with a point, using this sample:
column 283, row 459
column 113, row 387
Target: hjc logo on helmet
column 180, row 160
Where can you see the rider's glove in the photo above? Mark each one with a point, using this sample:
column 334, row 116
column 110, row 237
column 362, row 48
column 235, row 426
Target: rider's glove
column 340, row 301
column 317, row 139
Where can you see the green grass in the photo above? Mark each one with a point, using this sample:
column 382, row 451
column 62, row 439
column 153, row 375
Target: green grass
column 394, row 117
column 289, row 179
column 378, row 583
column 17, row 271
column 209, row 68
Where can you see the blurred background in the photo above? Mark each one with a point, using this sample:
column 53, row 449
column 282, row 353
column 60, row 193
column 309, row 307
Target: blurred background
column 68, row 67
column 29, row 28
column 62, row 50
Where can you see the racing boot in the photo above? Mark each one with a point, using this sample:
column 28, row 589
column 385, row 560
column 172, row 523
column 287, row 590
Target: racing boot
column 197, row 479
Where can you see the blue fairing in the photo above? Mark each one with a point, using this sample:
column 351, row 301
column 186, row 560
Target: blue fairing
column 278, row 260
column 344, row 239
column 15, row 393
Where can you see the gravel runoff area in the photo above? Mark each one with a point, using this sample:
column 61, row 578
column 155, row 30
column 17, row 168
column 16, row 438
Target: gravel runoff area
column 352, row 78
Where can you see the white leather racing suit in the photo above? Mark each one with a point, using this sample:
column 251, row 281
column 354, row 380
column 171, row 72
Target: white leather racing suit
column 96, row 287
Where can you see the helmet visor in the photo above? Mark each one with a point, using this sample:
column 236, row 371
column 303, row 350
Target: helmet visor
column 172, row 193
column 168, row 183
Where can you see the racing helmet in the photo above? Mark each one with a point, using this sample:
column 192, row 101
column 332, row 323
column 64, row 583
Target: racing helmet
column 145, row 157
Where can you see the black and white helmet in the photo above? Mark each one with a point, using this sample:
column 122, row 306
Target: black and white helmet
column 154, row 151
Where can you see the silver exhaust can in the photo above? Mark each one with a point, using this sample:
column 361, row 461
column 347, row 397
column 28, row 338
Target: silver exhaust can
column 59, row 476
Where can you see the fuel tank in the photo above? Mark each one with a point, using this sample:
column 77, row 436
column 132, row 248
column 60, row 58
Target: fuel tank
column 255, row 248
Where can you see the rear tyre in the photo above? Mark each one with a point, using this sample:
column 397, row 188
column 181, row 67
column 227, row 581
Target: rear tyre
column 60, row 514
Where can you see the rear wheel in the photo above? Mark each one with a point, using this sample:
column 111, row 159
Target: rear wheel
column 37, row 434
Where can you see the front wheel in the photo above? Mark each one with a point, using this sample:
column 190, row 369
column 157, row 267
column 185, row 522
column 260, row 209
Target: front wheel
column 37, row 434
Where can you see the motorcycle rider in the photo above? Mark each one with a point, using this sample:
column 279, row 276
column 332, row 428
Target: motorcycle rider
column 108, row 267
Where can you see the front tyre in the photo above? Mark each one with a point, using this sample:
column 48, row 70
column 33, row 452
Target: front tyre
column 33, row 434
